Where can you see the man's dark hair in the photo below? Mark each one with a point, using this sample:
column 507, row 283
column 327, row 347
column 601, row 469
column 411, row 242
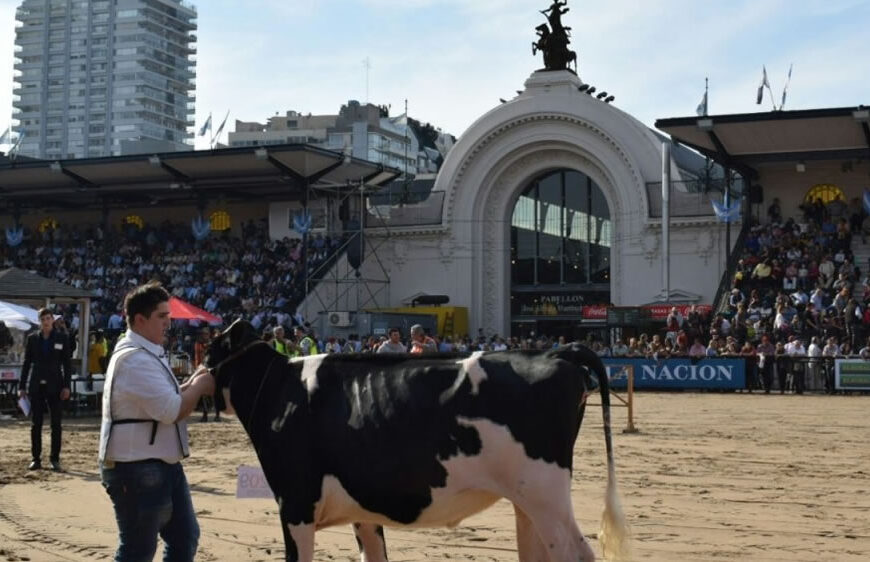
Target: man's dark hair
column 144, row 300
column 394, row 330
column 44, row 312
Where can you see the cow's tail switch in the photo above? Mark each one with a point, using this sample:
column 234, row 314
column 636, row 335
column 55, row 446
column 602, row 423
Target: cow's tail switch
column 614, row 536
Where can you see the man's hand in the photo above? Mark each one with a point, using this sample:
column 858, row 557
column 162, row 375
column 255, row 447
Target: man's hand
column 201, row 370
column 64, row 394
column 200, row 384
column 203, row 382
column 22, row 393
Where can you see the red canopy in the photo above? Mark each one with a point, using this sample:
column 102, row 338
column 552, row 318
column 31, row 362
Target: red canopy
column 180, row 310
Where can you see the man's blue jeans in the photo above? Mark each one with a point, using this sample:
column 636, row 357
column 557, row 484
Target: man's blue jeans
column 152, row 498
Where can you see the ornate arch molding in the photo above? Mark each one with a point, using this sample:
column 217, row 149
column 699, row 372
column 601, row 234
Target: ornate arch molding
column 492, row 216
column 491, row 139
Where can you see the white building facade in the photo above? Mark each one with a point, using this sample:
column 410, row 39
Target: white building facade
column 545, row 212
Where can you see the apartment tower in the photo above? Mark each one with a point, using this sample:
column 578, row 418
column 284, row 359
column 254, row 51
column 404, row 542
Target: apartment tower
column 104, row 77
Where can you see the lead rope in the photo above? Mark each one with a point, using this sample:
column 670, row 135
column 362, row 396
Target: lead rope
column 259, row 391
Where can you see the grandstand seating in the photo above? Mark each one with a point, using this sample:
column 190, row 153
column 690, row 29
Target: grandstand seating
column 227, row 275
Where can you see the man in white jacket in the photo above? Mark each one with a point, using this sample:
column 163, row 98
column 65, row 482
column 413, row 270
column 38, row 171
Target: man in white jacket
column 144, row 435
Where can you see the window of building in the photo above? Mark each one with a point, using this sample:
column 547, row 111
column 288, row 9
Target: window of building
column 561, row 232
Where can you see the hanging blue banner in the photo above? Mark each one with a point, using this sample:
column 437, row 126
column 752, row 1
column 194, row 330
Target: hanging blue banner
column 200, row 228
column 14, row 236
column 682, row 373
column 725, row 212
column 302, row 222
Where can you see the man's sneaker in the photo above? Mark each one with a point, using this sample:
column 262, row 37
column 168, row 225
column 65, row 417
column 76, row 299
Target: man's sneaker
column 34, row 465
column 55, row 466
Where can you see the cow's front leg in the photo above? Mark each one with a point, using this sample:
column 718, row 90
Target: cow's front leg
column 529, row 545
column 371, row 541
column 298, row 541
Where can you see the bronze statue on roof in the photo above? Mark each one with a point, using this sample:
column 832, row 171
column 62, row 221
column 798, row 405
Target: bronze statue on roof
column 553, row 39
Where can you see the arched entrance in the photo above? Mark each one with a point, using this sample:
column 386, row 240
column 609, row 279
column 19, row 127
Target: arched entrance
column 560, row 243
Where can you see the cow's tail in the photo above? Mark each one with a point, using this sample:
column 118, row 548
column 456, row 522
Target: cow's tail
column 614, row 536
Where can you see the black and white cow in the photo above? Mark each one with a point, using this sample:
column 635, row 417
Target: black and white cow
column 418, row 440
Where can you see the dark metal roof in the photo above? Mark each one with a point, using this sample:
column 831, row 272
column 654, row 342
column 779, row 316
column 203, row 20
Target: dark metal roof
column 749, row 140
column 265, row 173
column 20, row 284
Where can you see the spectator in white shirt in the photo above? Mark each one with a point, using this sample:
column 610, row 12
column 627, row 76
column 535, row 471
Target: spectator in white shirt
column 619, row 349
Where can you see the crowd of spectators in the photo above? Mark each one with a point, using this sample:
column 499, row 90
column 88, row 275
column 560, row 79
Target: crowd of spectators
column 796, row 290
column 230, row 276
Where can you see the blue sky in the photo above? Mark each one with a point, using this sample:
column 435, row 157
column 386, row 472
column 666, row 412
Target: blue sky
column 453, row 59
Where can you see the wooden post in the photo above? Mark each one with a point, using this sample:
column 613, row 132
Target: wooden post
column 630, row 427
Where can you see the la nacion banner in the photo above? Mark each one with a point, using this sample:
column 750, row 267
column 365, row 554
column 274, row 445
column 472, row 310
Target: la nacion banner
column 679, row 373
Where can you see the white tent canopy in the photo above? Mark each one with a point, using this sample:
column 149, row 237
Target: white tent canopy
column 18, row 316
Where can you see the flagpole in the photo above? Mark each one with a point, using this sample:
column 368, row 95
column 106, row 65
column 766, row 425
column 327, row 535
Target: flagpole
column 666, row 219
column 728, row 225
column 220, row 129
column 706, row 95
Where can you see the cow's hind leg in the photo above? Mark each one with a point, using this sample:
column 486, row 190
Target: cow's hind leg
column 371, row 541
column 298, row 542
column 529, row 545
column 548, row 506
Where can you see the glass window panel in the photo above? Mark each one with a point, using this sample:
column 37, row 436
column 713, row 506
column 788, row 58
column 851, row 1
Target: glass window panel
column 561, row 232
column 523, row 241
column 599, row 243
column 550, row 230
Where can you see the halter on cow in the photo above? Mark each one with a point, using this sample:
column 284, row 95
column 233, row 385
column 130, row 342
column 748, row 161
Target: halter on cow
column 419, row 441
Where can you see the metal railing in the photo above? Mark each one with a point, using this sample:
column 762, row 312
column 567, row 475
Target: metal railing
column 730, row 266
column 398, row 209
column 688, row 199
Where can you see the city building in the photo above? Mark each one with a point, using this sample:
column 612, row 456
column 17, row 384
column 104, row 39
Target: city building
column 292, row 127
column 99, row 77
column 364, row 131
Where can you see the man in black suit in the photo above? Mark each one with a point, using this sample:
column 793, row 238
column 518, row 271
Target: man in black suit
column 48, row 352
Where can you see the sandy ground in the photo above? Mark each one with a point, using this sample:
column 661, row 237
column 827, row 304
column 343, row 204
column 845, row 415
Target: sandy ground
column 709, row 477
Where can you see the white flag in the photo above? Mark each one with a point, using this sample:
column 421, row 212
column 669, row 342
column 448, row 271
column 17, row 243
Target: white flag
column 220, row 129
column 760, row 95
column 702, row 107
column 205, row 126
column 787, row 82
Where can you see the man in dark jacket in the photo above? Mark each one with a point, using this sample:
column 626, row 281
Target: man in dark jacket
column 48, row 352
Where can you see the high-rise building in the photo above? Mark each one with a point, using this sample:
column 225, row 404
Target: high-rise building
column 104, row 77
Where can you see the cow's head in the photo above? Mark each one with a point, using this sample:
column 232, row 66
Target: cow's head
column 222, row 353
